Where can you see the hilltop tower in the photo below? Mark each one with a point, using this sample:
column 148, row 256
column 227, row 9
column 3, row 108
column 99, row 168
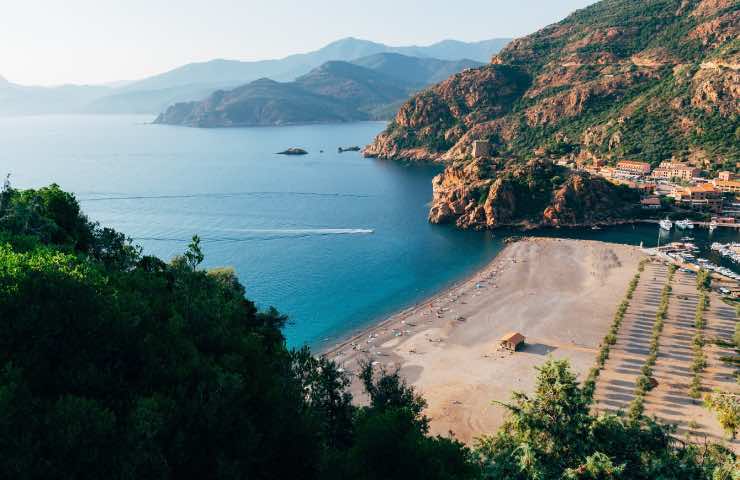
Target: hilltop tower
column 481, row 149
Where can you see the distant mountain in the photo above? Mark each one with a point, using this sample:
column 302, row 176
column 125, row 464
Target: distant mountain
column 22, row 100
column 196, row 81
column 150, row 101
column 334, row 92
column 414, row 70
column 370, row 88
column 189, row 82
column 262, row 102
column 354, row 85
column 456, row 50
column 291, row 67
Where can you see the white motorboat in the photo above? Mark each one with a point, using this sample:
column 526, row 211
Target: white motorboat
column 685, row 224
column 666, row 224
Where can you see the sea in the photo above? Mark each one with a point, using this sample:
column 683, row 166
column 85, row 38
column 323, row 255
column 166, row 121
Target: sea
column 333, row 240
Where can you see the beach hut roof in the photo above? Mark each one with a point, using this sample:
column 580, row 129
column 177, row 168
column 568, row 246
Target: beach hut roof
column 514, row 338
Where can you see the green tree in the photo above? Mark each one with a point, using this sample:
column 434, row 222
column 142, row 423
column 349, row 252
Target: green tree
column 597, row 467
column 727, row 408
column 391, row 440
column 119, row 365
column 552, row 435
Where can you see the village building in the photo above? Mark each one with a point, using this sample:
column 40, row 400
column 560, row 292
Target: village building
column 644, row 188
column 704, row 197
column 726, row 186
column 651, row 203
column 607, row 172
column 481, row 149
column 512, row 341
column 632, row 168
column 726, row 175
column 668, row 170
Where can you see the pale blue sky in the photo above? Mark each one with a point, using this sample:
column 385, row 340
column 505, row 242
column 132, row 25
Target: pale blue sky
column 48, row 42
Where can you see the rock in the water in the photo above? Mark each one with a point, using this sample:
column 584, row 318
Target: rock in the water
column 348, row 149
column 293, row 151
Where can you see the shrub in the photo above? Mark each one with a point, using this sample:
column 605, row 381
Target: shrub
column 727, row 407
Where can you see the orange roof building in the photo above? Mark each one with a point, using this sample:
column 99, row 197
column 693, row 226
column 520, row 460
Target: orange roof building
column 727, row 186
column 725, row 175
column 632, row 167
column 676, row 170
column 701, row 197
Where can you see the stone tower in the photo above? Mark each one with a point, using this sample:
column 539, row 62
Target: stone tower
column 481, row 149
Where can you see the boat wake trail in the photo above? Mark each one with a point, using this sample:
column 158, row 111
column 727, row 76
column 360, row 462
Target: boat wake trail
column 303, row 231
column 104, row 198
column 256, row 234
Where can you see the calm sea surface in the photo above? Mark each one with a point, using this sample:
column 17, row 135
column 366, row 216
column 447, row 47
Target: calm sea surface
column 333, row 240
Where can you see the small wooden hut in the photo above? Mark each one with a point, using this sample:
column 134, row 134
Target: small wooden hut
column 512, row 341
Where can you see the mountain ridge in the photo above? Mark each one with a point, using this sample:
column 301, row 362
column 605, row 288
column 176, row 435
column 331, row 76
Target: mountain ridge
column 196, row 81
column 648, row 80
column 575, row 69
column 293, row 66
column 226, row 74
column 350, row 92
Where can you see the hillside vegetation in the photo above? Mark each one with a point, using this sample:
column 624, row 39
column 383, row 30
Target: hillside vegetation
column 621, row 78
column 119, row 365
column 647, row 80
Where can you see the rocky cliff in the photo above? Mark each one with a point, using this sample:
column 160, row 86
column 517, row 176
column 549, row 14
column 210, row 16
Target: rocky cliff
column 642, row 79
column 646, row 79
column 477, row 195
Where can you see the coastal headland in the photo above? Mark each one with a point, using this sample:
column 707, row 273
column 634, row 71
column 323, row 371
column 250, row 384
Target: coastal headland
column 560, row 294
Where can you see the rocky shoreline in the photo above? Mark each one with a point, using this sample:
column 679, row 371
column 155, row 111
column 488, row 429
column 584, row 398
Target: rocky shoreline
column 478, row 195
column 602, row 85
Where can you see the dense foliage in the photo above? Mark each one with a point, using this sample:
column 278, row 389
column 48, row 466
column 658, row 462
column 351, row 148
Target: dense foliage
column 118, row 365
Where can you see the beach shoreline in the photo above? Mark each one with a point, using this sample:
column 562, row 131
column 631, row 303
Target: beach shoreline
column 560, row 293
column 384, row 320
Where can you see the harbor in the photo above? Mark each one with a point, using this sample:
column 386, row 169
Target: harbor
column 688, row 255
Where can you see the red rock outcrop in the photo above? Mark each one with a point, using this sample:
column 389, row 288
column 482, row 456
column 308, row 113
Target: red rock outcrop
column 477, row 195
column 654, row 79
column 575, row 75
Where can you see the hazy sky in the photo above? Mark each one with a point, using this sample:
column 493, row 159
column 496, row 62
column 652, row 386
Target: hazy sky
column 48, row 42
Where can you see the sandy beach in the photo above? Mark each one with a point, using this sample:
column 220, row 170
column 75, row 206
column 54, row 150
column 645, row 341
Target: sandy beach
column 561, row 294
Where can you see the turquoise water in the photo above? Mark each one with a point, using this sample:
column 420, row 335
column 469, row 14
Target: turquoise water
column 333, row 240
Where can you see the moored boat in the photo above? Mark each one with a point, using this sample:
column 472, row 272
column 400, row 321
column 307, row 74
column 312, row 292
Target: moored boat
column 685, row 224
